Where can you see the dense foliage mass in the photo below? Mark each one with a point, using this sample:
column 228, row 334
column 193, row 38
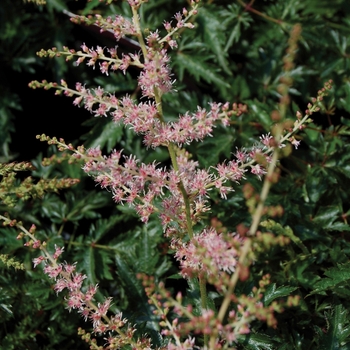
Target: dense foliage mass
column 268, row 59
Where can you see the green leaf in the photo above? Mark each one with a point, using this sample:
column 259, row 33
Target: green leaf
column 304, row 273
column 337, row 277
column 146, row 251
column 102, row 226
column 315, row 185
column 213, row 34
column 256, row 341
column 260, row 113
column 57, row 5
column 7, row 308
column 196, row 66
column 326, row 216
column 89, row 7
column 273, row 293
column 89, row 264
column 337, row 336
column 106, row 135
column 209, row 151
column 103, row 263
column 237, row 18
column 312, row 132
column 132, row 286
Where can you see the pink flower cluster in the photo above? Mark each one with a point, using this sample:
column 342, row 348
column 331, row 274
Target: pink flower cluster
column 156, row 72
column 185, row 322
column 181, row 19
column 118, row 25
column 66, row 278
column 178, row 194
column 208, row 253
column 143, row 118
column 140, row 185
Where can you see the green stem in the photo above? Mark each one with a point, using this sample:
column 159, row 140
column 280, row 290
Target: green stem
column 251, row 9
column 138, row 31
column 204, row 302
column 264, row 193
column 172, row 153
column 233, row 281
column 175, row 165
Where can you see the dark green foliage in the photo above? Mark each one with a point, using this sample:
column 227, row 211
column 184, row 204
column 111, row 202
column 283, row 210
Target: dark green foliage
column 233, row 54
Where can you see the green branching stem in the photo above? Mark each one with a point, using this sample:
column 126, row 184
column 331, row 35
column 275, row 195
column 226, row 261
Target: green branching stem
column 176, row 29
column 166, row 321
column 278, row 139
column 172, row 153
column 265, row 191
column 248, row 242
column 202, row 280
column 139, row 32
column 171, row 149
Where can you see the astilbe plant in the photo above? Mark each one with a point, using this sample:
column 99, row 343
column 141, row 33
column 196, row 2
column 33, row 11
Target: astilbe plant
column 11, row 190
column 178, row 194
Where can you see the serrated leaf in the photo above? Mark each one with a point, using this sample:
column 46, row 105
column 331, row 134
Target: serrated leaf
column 131, row 284
column 234, row 36
column 106, row 135
column 196, row 66
column 326, row 216
column 90, row 6
column 193, row 296
column 312, row 132
column 273, row 293
column 103, row 263
column 146, row 251
column 335, row 276
column 237, row 19
column 315, row 185
column 338, row 333
column 89, row 264
column 304, row 274
column 102, row 226
column 257, row 342
column 86, row 206
column 209, row 151
column 261, row 114
column 214, row 35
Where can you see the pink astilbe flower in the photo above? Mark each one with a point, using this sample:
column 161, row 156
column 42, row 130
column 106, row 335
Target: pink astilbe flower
column 187, row 128
column 83, row 302
column 258, row 170
column 206, row 323
column 126, row 62
column 141, row 117
column 118, row 25
column 58, row 252
column 231, row 170
column 188, row 344
column 208, row 252
column 139, row 184
column 156, row 73
column 38, row 260
column 144, row 117
column 53, row 271
column 294, row 142
column 130, row 182
column 266, row 140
